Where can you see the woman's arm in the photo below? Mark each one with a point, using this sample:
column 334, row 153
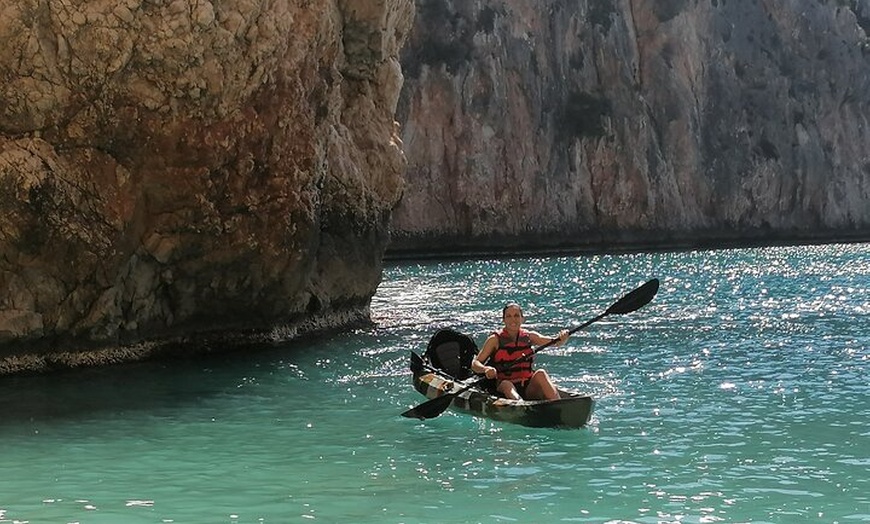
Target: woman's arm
column 477, row 362
column 539, row 340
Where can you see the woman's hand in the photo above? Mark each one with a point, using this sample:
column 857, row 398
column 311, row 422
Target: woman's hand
column 489, row 372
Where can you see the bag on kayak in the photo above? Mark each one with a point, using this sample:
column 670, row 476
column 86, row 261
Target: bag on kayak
column 451, row 351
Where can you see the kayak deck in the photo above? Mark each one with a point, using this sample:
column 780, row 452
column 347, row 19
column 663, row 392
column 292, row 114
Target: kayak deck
column 573, row 410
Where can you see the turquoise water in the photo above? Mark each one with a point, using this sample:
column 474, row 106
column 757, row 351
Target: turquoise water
column 740, row 394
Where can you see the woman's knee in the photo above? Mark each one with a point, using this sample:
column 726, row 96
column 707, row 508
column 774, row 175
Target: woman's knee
column 540, row 374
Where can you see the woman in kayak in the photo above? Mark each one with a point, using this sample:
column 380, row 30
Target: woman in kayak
column 516, row 380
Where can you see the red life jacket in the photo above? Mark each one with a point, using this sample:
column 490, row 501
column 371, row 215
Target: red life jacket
column 509, row 350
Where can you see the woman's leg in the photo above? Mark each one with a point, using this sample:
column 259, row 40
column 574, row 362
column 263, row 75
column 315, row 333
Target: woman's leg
column 507, row 390
column 541, row 387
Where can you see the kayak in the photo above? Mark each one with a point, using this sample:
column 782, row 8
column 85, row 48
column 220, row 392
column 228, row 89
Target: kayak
column 443, row 372
column 573, row 410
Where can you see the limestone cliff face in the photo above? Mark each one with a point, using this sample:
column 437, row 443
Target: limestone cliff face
column 634, row 122
column 171, row 167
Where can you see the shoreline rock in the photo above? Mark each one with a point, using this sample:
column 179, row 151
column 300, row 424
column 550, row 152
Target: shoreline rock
column 169, row 171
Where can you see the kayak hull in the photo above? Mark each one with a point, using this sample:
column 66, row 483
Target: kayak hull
column 573, row 410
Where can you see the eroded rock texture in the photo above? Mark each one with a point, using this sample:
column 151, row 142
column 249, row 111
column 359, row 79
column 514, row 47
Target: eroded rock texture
column 634, row 122
column 188, row 167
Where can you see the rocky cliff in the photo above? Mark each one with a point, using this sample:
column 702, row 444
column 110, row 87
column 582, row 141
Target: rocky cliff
column 634, row 123
column 172, row 168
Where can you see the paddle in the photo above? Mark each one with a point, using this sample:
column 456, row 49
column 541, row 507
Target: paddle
column 633, row 301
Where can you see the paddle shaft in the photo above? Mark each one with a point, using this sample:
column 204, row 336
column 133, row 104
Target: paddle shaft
column 632, row 301
column 571, row 331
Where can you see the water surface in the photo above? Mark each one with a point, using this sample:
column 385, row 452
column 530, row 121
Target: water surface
column 740, row 394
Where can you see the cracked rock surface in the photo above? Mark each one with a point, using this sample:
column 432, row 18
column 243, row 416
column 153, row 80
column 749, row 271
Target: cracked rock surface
column 634, row 123
column 185, row 168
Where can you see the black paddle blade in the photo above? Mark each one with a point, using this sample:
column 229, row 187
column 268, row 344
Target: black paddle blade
column 430, row 408
column 635, row 299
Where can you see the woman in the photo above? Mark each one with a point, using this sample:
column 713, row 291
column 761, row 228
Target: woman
column 516, row 380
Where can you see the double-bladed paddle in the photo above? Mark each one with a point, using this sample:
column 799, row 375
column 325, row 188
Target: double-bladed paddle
column 632, row 301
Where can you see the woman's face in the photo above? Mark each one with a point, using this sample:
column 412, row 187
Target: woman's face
column 513, row 317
